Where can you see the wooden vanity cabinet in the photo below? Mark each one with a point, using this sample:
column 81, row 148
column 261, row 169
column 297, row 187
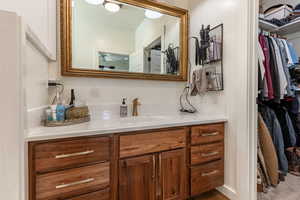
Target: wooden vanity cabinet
column 165, row 164
column 160, row 175
column 137, row 178
column 206, row 158
column 173, row 175
column 70, row 169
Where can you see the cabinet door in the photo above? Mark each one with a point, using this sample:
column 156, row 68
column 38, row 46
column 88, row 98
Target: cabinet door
column 173, row 176
column 137, row 178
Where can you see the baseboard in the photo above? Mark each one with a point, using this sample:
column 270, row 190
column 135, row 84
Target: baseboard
column 228, row 192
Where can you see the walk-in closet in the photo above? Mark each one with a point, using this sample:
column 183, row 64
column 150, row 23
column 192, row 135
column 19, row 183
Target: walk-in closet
column 278, row 167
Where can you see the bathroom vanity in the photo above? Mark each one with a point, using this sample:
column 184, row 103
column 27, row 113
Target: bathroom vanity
column 171, row 162
column 138, row 158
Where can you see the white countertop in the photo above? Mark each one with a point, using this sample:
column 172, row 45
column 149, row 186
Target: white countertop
column 110, row 126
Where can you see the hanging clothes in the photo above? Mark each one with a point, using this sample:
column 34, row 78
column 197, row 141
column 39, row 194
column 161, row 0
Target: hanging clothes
column 276, row 81
column 277, row 58
column 265, row 47
column 295, row 58
column 289, row 56
column 268, row 151
column 287, row 128
column 282, row 76
column 283, row 55
column 274, row 128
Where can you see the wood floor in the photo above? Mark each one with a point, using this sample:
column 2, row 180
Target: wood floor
column 213, row 195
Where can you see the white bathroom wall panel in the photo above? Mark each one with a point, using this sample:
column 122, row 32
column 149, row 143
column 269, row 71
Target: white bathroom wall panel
column 36, row 81
column 40, row 15
column 233, row 101
column 10, row 106
column 36, row 77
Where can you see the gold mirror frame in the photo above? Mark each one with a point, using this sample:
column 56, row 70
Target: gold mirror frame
column 66, row 43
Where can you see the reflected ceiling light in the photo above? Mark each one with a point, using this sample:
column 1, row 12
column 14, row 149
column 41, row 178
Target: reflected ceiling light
column 95, row 2
column 112, row 7
column 153, row 14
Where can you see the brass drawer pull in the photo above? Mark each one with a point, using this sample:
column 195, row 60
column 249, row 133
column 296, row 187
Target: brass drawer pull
column 74, row 154
column 75, row 183
column 210, row 134
column 210, row 173
column 209, row 154
column 153, row 167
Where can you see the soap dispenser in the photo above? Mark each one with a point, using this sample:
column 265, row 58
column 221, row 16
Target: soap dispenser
column 123, row 109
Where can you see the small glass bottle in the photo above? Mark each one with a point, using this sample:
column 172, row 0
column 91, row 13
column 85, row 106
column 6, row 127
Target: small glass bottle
column 123, row 109
column 48, row 113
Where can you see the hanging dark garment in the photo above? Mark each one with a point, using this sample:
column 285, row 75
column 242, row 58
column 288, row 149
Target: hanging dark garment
column 265, row 46
column 293, row 112
column 287, row 128
column 260, row 86
column 274, row 72
column 273, row 125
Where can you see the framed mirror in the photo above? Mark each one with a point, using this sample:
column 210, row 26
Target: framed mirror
column 134, row 39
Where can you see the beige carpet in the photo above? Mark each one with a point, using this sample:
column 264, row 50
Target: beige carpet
column 288, row 190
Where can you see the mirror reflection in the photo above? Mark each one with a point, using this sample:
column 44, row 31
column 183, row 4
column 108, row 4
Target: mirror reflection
column 113, row 36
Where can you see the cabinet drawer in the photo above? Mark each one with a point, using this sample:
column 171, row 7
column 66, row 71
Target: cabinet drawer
column 207, row 133
column 207, row 152
column 132, row 145
column 99, row 195
column 71, row 153
column 72, row 182
column 207, row 177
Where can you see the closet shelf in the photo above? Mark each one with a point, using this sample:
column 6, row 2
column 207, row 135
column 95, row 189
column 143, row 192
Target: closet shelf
column 289, row 28
column 267, row 26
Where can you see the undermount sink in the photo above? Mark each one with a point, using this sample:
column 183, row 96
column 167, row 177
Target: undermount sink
column 143, row 119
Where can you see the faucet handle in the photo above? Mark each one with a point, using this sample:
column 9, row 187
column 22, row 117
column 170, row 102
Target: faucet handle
column 136, row 102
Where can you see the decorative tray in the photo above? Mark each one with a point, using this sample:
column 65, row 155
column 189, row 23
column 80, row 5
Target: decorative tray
column 66, row 122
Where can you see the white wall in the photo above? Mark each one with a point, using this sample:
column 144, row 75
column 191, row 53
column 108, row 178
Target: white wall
column 10, row 106
column 234, row 100
column 92, row 36
column 40, row 15
column 150, row 30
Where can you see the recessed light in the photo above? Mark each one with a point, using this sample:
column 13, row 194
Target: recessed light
column 95, row 2
column 153, row 14
column 112, row 7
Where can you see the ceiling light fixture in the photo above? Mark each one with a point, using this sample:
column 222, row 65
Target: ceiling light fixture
column 112, row 7
column 153, row 14
column 95, row 2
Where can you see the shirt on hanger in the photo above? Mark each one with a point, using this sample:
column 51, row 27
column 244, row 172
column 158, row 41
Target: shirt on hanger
column 294, row 55
column 282, row 76
column 289, row 56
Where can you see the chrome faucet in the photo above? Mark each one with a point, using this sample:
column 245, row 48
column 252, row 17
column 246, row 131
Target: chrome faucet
column 135, row 104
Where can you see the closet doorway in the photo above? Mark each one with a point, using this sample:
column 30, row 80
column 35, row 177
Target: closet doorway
column 278, row 155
